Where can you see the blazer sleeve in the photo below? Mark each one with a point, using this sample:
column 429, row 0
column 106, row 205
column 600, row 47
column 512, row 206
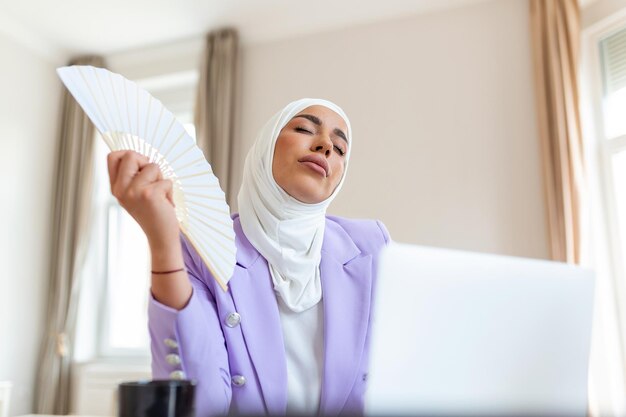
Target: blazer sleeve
column 191, row 341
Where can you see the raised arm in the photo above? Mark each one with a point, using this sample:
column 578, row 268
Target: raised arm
column 187, row 341
column 140, row 188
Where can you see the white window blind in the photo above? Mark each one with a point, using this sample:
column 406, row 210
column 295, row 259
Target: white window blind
column 613, row 49
column 613, row 58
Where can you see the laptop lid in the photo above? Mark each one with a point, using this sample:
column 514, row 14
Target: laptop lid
column 459, row 333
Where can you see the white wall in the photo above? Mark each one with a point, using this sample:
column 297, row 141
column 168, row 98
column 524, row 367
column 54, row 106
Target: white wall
column 29, row 102
column 600, row 10
column 446, row 149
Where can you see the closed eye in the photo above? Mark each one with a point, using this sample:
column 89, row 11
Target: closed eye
column 301, row 129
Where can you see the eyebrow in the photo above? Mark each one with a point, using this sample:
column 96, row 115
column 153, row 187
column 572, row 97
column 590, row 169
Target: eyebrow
column 318, row 122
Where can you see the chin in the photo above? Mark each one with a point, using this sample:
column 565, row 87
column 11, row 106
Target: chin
column 308, row 195
column 305, row 189
column 308, row 199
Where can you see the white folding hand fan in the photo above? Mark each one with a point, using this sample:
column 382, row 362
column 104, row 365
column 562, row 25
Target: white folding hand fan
column 128, row 117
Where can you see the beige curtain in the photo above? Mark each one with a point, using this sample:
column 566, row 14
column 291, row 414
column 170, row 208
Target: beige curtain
column 555, row 31
column 70, row 220
column 215, row 106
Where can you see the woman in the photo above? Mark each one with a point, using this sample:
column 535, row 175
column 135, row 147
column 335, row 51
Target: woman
column 291, row 334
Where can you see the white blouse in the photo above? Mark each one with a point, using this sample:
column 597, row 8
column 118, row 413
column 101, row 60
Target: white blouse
column 303, row 335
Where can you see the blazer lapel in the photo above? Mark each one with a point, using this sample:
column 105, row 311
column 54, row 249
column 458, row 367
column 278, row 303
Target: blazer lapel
column 254, row 298
column 346, row 288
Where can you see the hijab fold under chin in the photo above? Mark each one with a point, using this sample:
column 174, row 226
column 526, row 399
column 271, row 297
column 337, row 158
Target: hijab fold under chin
column 287, row 232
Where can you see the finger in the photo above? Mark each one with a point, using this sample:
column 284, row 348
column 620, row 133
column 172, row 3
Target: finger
column 147, row 175
column 168, row 186
column 170, row 192
column 163, row 188
column 129, row 166
column 113, row 161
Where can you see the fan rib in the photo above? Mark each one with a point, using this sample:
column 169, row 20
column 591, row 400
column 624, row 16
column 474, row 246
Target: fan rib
column 195, row 203
column 214, row 251
column 206, row 197
column 207, row 262
column 219, row 277
column 110, row 123
column 182, row 135
column 117, row 107
column 156, row 127
column 201, row 186
column 107, row 140
column 201, row 220
column 130, row 127
column 173, row 160
column 201, row 239
column 137, row 100
column 166, row 134
column 195, row 175
column 202, row 215
column 197, row 161
column 145, row 130
column 93, row 96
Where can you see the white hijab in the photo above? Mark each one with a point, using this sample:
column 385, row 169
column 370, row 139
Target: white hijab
column 287, row 232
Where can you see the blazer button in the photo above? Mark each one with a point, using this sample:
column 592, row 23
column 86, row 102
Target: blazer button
column 173, row 359
column 177, row 375
column 233, row 319
column 171, row 343
column 238, row 380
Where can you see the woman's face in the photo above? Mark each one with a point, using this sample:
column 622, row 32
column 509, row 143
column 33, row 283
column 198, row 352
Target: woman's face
column 310, row 154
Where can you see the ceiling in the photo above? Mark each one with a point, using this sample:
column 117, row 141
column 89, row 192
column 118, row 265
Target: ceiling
column 80, row 26
column 64, row 27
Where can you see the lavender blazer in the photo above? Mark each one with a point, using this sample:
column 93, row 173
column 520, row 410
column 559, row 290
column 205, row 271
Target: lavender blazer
column 212, row 353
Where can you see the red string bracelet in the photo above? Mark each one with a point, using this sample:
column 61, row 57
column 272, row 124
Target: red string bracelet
column 167, row 272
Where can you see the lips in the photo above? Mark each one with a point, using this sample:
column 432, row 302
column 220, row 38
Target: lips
column 316, row 162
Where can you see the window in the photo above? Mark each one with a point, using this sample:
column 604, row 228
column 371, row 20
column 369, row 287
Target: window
column 123, row 249
column 611, row 147
column 603, row 111
column 613, row 141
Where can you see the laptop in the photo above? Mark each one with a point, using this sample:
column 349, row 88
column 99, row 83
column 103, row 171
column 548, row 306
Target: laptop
column 459, row 333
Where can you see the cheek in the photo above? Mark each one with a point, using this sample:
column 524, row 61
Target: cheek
column 281, row 151
column 284, row 154
column 338, row 172
column 285, row 146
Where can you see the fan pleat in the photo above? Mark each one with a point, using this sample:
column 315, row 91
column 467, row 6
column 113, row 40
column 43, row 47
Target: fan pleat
column 219, row 210
column 192, row 164
column 213, row 225
column 218, row 249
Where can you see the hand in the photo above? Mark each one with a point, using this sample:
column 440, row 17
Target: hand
column 140, row 188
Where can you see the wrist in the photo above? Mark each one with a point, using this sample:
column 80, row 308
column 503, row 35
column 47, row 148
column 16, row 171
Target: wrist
column 167, row 257
column 164, row 244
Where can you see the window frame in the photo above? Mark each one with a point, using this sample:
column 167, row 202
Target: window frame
column 604, row 251
column 104, row 347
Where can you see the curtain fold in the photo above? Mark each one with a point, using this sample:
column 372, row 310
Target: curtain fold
column 215, row 106
column 70, row 224
column 555, row 31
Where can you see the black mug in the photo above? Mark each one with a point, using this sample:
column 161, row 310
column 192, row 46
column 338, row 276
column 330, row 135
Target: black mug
column 159, row 398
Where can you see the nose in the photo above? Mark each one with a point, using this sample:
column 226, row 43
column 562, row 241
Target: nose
column 323, row 144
